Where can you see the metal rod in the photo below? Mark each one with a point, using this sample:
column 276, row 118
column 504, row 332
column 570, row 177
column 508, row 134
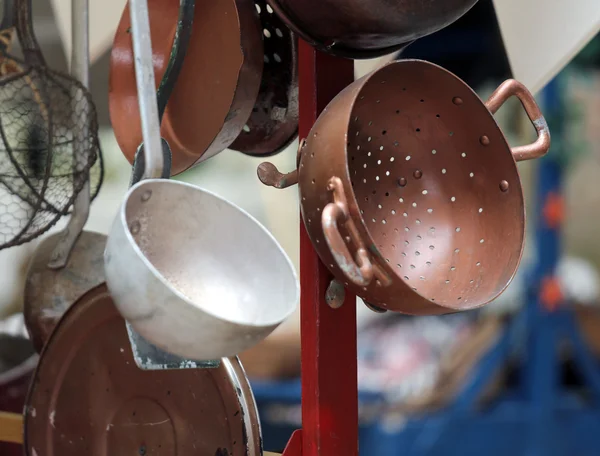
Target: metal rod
column 80, row 70
column 146, row 88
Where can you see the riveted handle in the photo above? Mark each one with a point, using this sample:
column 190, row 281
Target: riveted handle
column 511, row 88
column 360, row 270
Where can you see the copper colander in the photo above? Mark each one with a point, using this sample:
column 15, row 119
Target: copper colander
column 410, row 192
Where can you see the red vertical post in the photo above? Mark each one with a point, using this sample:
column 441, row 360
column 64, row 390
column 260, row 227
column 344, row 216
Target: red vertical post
column 329, row 375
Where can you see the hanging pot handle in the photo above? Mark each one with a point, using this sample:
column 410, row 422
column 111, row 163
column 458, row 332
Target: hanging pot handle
column 506, row 90
column 359, row 271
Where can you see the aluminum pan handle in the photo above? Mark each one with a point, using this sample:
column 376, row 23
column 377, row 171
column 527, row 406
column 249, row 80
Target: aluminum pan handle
column 511, row 88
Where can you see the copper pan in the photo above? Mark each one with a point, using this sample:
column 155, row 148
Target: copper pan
column 89, row 397
column 217, row 86
column 410, row 192
column 363, row 29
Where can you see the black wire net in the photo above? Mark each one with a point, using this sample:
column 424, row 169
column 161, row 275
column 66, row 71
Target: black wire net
column 48, row 147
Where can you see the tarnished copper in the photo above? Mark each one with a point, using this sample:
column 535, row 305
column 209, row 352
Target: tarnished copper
column 50, row 292
column 216, row 89
column 360, row 29
column 401, row 199
column 273, row 124
column 89, row 397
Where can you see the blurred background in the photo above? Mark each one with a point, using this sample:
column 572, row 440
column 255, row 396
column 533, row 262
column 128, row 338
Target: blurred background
column 432, row 356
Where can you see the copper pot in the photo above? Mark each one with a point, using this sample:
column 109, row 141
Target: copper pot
column 359, row 29
column 410, row 192
column 217, row 86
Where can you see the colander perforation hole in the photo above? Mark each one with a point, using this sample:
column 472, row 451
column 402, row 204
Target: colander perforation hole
column 453, row 199
column 266, row 33
column 430, row 210
column 456, row 250
column 424, row 192
column 434, row 151
column 471, row 175
column 458, row 229
column 480, row 210
column 393, row 212
column 443, row 170
column 279, row 33
column 412, row 266
column 419, row 237
column 428, row 263
column 414, row 204
column 401, row 200
column 481, row 241
column 432, row 247
column 453, row 268
column 269, row 9
column 407, row 157
column 405, row 214
column 277, row 58
column 463, row 155
column 478, row 263
column 392, row 159
column 267, row 60
column 258, row 9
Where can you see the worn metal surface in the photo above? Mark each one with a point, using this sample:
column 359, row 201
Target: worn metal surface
column 149, row 357
column 431, row 187
column 222, row 71
column 50, row 292
column 89, row 397
column 359, row 29
column 273, row 124
column 187, row 281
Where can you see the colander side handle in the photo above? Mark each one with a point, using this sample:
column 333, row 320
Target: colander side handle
column 360, row 270
column 511, row 88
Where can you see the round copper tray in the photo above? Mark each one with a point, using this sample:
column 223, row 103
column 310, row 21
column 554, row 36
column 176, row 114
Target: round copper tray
column 89, row 398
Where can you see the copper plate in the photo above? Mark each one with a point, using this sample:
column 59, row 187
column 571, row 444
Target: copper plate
column 89, row 398
column 273, row 124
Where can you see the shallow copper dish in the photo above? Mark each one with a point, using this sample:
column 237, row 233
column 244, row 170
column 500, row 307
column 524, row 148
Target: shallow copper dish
column 88, row 396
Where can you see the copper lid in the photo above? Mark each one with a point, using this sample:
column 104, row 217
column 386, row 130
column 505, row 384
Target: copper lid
column 88, row 397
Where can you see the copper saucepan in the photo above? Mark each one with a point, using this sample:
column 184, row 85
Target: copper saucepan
column 217, row 86
column 410, row 192
column 367, row 29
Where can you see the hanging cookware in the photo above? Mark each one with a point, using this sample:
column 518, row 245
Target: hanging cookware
column 49, row 139
column 362, row 30
column 273, row 124
column 410, row 192
column 67, row 264
column 217, row 87
column 168, row 259
column 89, row 397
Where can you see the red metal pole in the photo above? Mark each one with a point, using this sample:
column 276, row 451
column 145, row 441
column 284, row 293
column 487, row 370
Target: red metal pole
column 329, row 376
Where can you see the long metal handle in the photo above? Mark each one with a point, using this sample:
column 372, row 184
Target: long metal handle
column 146, row 88
column 80, row 70
column 511, row 88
